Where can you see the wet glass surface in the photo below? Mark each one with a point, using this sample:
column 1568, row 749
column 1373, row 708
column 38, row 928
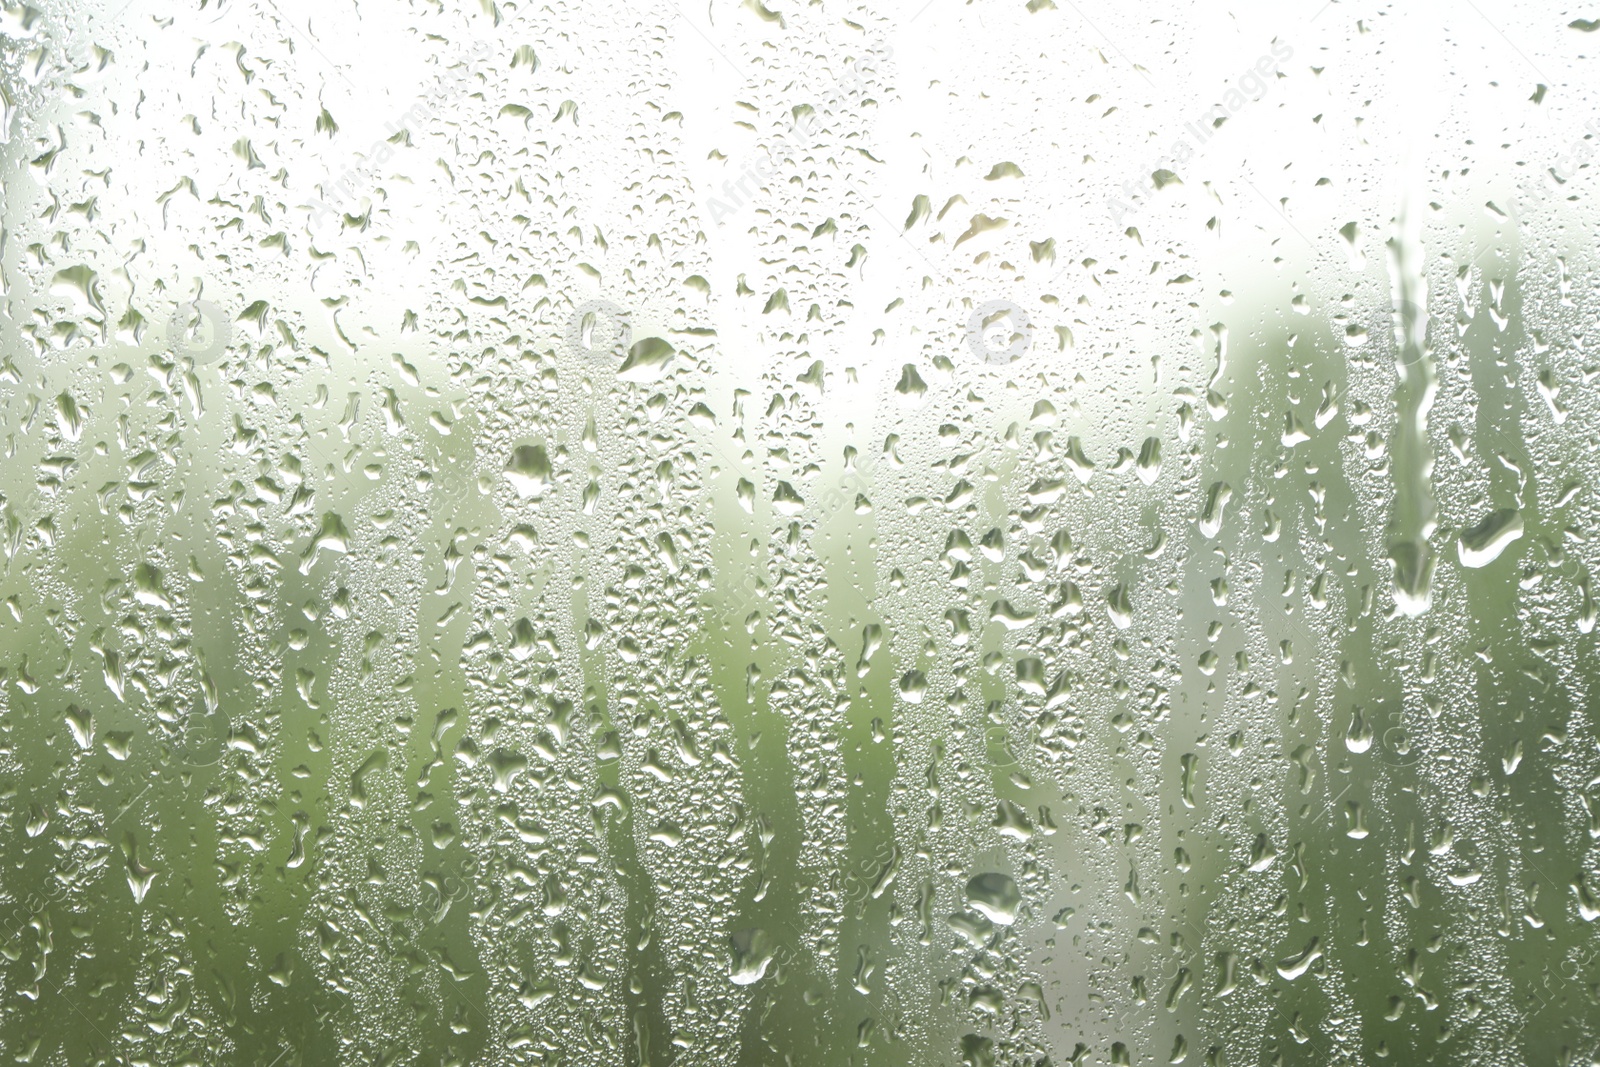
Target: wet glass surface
column 798, row 533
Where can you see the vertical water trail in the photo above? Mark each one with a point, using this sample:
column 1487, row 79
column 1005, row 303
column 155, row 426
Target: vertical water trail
column 1415, row 513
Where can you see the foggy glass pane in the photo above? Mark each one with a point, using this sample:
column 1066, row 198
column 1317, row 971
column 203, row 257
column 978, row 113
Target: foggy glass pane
column 778, row 533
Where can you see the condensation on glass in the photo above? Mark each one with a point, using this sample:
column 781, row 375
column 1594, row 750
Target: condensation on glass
column 798, row 533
